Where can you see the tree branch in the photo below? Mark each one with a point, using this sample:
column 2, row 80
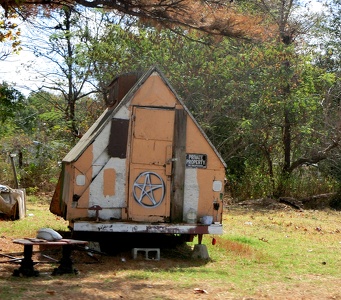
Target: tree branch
column 319, row 156
column 215, row 17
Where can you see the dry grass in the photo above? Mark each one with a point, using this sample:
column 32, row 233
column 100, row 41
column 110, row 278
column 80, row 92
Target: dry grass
column 283, row 254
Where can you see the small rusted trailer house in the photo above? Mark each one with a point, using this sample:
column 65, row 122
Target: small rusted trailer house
column 145, row 166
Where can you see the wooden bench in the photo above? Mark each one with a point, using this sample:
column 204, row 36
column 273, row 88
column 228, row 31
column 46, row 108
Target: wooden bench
column 66, row 265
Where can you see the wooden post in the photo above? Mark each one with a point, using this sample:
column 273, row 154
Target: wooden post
column 179, row 165
column 16, row 185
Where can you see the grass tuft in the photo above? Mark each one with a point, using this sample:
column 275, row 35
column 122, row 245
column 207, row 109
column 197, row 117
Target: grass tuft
column 284, row 254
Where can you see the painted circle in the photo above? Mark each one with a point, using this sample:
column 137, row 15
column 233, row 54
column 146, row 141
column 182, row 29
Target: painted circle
column 144, row 189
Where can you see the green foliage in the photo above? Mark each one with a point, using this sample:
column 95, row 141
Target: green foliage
column 32, row 191
column 237, row 91
column 11, row 101
column 38, row 145
column 327, row 42
column 253, row 183
column 332, row 168
column 336, row 201
column 282, row 253
column 244, row 95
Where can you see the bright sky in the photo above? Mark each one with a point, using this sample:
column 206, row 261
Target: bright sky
column 15, row 70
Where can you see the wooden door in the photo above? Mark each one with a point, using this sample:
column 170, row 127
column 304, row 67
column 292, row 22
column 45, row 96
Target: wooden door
column 150, row 164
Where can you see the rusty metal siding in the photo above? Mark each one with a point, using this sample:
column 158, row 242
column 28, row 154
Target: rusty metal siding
column 120, row 86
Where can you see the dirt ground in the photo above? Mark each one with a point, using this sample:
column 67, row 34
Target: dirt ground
column 117, row 277
column 107, row 279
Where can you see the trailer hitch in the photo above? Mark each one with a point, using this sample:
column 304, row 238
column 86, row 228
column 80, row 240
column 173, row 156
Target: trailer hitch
column 96, row 208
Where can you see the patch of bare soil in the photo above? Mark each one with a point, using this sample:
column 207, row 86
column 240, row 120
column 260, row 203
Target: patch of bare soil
column 317, row 202
column 118, row 277
column 99, row 277
column 6, row 245
column 108, row 277
column 322, row 288
column 261, row 204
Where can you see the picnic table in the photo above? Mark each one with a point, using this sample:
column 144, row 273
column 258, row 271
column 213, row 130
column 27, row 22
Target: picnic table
column 27, row 265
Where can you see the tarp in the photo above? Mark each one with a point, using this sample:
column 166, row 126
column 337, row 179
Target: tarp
column 12, row 202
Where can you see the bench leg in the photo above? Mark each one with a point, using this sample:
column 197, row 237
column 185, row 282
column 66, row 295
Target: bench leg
column 26, row 265
column 66, row 264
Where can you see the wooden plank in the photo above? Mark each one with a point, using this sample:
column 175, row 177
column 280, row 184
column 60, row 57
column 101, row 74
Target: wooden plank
column 177, row 197
column 34, row 241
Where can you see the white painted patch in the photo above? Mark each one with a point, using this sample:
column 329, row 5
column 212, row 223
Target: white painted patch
column 191, row 193
column 99, row 150
column 147, row 228
column 111, row 204
column 80, row 180
column 124, row 112
column 101, row 161
column 100, row 143
column 217, row 185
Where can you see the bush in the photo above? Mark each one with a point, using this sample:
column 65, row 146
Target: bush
column 336, row 201
column 304, row 182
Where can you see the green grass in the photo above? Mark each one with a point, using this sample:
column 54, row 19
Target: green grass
column 276, row 247
column 37, row 216
column 260, row 254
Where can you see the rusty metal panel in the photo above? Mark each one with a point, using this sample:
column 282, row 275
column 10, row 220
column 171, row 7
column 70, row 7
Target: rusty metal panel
column 118, row 138
column 56, row 205
column 120, row 86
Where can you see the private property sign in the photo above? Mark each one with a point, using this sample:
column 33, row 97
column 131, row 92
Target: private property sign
column 194, row 160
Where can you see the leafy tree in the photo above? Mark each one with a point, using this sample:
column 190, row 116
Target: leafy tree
column 11, row 100
column 9, row 35
column 258, row 103
column 214, row 17
column 69, row 73
column 327, row 56
column 281, row 117
column 328, row 39
column 39, row 136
